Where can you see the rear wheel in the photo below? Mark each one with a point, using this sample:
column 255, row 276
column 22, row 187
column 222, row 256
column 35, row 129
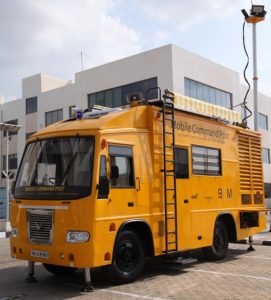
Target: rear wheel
column 129, row 260
column 220, row 245
column 59, row 270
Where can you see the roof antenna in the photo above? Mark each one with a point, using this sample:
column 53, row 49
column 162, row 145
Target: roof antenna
column 82, row 66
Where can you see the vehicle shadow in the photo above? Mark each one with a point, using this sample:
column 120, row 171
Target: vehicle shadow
column 13, row 285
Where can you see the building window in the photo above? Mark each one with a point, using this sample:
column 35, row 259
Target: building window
column 31, row 105
column 117, row 96
column 267, row 190
column 53, row 116
column 266, row 156
column 263, row 121
column 206, row 161
column 207, row 93
column 12, row 162
column 121, row 163
column 13, row 122
column 181, row 163
column 71, row 114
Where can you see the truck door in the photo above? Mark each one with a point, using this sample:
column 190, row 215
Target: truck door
column 183, row 195
column 122, row 178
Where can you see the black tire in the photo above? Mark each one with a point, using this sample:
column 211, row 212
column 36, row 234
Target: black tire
column 128, row 260
column 59, row 270
column 219, row 249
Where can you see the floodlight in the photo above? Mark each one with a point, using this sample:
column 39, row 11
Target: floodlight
column 257, row 14
column 258, row 11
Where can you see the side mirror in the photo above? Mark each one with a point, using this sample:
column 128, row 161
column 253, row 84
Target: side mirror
column 115, row 172
column 103, row 188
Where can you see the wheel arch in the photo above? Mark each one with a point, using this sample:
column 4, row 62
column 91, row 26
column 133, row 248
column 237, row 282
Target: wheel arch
column 228, row 220
column 143, row 230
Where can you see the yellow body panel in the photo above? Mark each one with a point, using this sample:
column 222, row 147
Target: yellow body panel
column 200, row 199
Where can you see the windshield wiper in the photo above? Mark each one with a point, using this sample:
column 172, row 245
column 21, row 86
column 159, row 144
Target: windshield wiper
column 63, row 178
column 34, row 175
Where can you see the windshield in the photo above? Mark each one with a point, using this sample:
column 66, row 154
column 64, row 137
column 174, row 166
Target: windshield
column 58, row 168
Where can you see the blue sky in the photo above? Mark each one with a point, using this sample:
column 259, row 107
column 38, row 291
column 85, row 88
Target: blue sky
column 40, row 36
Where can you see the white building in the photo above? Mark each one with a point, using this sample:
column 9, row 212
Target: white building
column 46, row 100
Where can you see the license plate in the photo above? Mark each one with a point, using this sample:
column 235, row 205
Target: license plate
column 40, row 254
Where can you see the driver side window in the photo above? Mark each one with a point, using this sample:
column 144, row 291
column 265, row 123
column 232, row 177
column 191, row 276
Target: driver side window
column 122, row 169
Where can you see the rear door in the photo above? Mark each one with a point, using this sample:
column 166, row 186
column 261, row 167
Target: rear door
column 183, row 196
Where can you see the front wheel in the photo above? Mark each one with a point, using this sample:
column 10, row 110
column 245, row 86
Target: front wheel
column 220, row 245
column 129, row 258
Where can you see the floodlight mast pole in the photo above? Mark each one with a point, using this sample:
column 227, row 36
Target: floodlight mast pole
column 7, row 179
column 8, row 129
column 257, row 15
column 255, row 78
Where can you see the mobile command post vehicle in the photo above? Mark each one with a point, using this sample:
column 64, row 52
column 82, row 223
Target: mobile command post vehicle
column 111, row 187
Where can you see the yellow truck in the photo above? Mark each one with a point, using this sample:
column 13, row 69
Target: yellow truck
column 111, row 187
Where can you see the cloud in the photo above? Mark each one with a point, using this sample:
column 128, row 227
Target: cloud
column 188, row 13
column 39, row 36
column 48, row 36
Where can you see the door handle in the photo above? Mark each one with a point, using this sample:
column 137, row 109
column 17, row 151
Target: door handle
column 137, row 184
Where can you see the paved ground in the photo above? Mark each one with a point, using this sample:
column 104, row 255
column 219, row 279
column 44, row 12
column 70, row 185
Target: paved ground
column 243, row 275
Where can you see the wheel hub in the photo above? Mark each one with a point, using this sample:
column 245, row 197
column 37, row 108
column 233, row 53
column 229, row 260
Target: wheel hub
column 127, row 256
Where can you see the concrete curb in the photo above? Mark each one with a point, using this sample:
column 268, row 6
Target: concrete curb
column 256, row 242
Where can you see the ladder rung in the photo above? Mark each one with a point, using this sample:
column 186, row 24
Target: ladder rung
column 171, row 203
column 169, row 160
column 170, row 251
column 170, row 189
column 171, row 218
column 167, row 119
column 170, row 147
column 170, row 175
column 169, row 171
column 169, row 132
column 170, row 243
column 171, row 232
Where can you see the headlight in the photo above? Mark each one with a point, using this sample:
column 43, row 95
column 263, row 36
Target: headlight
column 14, row 232
column 77, row 236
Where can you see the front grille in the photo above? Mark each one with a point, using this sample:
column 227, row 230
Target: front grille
column 40, row 226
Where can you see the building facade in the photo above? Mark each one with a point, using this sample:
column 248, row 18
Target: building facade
column 46, row 100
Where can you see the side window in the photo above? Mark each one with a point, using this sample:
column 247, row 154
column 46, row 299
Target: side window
column 206, row 161
column 122, row 169
column 181, row 163
column 103, row 189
